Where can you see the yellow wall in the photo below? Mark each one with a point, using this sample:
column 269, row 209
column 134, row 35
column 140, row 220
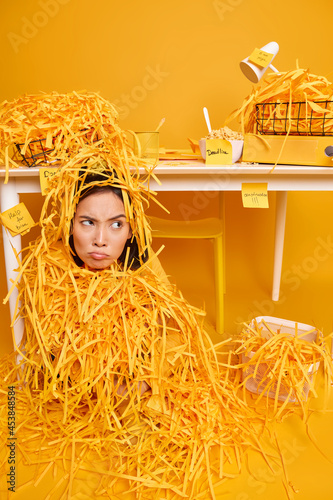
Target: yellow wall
column 169, row 59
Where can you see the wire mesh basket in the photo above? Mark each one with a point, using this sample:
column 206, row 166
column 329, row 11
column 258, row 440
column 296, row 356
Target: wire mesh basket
column 35, row 153
column 38, row 153
column 298, row 118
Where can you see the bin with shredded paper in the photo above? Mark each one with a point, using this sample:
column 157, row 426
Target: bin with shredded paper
column 280, row 358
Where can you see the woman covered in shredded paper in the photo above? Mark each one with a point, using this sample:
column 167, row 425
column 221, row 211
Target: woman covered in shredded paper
column 118, row 376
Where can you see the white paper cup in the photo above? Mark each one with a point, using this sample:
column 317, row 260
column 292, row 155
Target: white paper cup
column 254, row 73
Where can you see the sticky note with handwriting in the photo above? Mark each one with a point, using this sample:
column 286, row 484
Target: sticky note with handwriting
column 260, row 58
column 17, row 219
column 45, row 174
column 254, row 195
column 218, row 152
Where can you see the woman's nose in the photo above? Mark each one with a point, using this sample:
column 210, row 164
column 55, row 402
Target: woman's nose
column 100, row 238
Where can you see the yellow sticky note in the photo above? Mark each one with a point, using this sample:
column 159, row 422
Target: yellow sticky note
column 45, row 175
column 17, row 219
column 260, row 58
column 218, row 152
column 254, row 195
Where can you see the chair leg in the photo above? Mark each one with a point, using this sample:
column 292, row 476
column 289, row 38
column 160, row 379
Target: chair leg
column 219, row 283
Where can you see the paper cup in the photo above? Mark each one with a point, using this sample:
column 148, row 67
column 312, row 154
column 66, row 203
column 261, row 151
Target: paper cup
column 253, row 72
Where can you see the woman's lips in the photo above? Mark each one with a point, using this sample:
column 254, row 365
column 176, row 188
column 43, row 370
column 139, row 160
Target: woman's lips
column 98, row 256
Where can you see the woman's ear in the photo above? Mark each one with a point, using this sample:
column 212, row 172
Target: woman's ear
column 130, row 233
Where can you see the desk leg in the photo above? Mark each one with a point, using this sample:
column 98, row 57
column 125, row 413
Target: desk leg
column 9, row 198
column 222, row 217
column 280, row 224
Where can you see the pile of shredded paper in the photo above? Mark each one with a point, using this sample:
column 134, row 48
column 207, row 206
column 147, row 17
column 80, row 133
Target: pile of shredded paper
column 281, row 366
column 48, row 128
column 286, row 90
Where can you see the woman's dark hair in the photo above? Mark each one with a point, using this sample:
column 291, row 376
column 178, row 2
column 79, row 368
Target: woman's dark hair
column 134, row 261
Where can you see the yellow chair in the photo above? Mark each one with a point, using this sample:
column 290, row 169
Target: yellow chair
column 209, row 229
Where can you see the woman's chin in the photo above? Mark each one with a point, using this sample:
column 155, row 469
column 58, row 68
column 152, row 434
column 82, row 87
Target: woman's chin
column 98, row 265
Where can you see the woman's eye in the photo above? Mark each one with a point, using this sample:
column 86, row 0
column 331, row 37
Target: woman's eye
column 87, row 222
column 117, row 224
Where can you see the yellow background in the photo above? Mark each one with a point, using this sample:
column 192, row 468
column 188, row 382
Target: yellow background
column 169, row 59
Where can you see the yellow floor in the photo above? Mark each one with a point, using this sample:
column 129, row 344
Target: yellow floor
column 308, row 470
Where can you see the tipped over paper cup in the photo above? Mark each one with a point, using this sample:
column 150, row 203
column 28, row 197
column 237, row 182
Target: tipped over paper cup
column 254, row 71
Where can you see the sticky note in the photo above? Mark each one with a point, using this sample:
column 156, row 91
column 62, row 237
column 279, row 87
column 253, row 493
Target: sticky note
column 218, row 152
column 261, row 58
column 45, row 175
column 254, row 195
column 17, row 219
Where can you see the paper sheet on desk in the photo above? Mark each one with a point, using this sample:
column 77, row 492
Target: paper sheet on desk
column 178, row 154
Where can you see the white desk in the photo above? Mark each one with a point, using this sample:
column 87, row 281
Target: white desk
column 186, row 176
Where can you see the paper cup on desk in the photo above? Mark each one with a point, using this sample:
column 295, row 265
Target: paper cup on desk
column 254, row 72
column 146, row 145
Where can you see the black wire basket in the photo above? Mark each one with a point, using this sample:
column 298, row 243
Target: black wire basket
column 299, row 118
column 37, row 153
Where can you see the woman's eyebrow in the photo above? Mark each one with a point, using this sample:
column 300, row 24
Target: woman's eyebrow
column 94, row 219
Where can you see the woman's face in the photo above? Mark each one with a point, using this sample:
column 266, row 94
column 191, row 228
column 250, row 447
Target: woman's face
column 100, row 229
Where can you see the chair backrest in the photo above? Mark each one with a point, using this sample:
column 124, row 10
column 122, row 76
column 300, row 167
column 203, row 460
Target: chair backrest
column 208, row 228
